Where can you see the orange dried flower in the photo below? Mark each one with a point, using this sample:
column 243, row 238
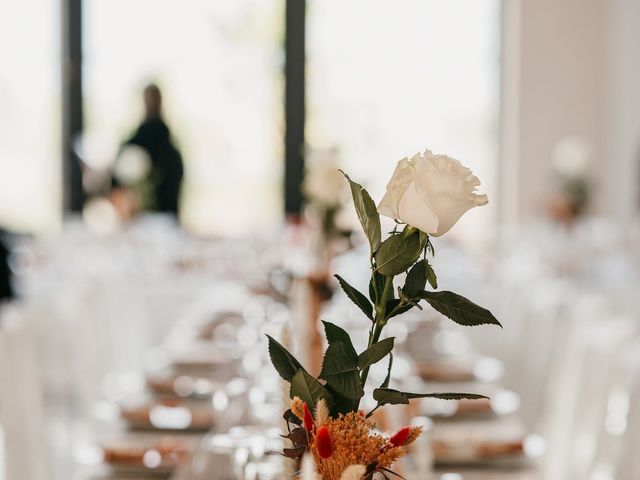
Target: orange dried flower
column 353, row 441
column 322, row 412
column 413, row 435
column 350, row 439
column 297, row 407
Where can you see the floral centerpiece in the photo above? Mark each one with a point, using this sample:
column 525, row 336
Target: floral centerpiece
column 571, row 158
column 323, row 190
column 426, row 196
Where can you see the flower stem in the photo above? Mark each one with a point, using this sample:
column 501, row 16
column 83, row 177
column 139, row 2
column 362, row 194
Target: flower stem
column 380, row 321
column 372, row 411
column 374, row 336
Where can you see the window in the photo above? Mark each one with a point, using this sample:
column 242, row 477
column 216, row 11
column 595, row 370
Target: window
column 387, row 80
column 219, row 65
column 30, row 168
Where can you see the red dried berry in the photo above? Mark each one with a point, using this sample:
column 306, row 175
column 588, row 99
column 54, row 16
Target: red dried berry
column 400, row 437
column 324, row 442
column 307, row 418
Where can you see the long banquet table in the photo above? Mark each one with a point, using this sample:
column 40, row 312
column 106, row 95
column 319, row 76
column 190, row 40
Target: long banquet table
column 99, row 315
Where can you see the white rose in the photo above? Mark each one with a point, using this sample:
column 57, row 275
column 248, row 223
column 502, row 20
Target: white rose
column 430, row 192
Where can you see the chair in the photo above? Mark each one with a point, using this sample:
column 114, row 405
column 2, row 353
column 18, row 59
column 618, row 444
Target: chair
column 21, row 407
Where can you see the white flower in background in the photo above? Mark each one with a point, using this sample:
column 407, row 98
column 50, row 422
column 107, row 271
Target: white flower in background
column 430, row 192
column 96, row 150
column 323, row 183
column 132, row 165
column 571, row 157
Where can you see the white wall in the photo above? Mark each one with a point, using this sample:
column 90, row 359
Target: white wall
column 621, row 161
column 570, row 67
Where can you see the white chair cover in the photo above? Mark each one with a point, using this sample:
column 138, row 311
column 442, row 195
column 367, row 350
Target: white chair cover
column 21, row 409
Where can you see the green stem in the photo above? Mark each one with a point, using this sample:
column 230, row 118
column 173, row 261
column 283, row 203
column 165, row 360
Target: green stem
column 381, row 306
column 380, row 322
column 372, row 411
column 374, row 336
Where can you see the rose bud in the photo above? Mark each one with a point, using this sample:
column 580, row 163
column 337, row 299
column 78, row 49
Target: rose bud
column 400, row 437
column 324, row 442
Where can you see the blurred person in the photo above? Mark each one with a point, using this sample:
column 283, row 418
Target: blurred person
column 159, row 185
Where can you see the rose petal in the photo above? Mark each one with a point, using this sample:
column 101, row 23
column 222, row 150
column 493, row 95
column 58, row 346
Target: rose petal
column 417, row 211
column 400, row 180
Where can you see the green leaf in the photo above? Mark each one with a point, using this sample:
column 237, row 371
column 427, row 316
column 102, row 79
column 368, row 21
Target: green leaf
column 387, row 379
column 340, row 370
column 393, row 304
column 397, row 253
column 285, row 364
column 454, row 396
column 356, row 297
column 375, row 353
column 376, row 286
column 341, row 404
column 337, row 361
column 367, row 213
column 416, row 279
column 372, row 291
column 459, row 309
column 335, row 334
column 424, row 240
column 389, row 396
column 308, row 389
column 340, row 364
column 431, row 276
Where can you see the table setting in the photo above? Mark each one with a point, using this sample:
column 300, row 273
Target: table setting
column 269, row 361
column 209, row 398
